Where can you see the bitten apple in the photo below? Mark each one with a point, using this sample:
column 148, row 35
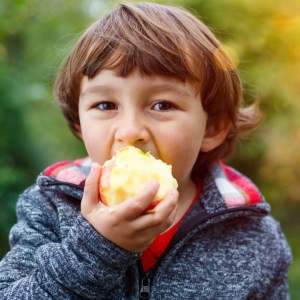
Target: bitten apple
column 126, row 174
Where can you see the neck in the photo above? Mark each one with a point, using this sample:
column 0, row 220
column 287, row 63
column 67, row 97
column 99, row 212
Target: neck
column 187, row 192
column 187, row 189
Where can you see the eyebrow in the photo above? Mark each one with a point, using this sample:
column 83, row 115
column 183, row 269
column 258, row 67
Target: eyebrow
column 152, row 87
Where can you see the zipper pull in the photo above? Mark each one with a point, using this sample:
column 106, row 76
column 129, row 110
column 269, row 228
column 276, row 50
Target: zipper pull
column 145, row 288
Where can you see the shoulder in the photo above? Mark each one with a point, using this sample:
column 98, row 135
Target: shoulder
column 35, row 203
column 36, row 216
column 52, row 183
column 263, row 235
column 259, row 243
column 271, row 243
column 271, row 255
column 48, row 198
column 248, row 250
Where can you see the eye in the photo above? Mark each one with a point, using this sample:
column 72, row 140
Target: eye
column 105, row 105
column 163, row 105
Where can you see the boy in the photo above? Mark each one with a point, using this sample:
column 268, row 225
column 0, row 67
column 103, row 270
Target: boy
column 155, row 77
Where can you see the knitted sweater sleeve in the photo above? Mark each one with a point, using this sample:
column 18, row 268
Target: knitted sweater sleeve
column 40, row 265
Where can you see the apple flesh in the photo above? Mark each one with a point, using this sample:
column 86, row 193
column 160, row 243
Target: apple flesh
column 126, row 174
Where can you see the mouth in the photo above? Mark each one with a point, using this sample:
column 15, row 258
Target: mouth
column 145, row 150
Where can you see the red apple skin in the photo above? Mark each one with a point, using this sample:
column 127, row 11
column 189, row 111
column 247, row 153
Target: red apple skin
column 153, row 204
column 104, row 181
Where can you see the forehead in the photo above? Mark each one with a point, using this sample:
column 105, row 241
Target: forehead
column 107, row 81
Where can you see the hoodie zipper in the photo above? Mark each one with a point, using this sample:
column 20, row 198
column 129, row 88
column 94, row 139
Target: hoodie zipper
column 145, row 288
column 145, row 283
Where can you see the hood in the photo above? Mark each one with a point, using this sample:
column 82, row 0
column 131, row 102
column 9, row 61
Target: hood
column 224, row 190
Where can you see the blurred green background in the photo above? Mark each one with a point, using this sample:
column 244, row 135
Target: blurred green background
column 263, row 39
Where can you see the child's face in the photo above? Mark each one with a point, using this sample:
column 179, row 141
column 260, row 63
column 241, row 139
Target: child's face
column 156, row 114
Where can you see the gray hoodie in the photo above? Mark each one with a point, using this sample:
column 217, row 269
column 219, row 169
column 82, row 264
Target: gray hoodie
column 227, row 247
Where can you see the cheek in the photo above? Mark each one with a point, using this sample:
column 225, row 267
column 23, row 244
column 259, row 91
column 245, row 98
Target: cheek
column 94, row 141
column 185, row 158
column 181, row 149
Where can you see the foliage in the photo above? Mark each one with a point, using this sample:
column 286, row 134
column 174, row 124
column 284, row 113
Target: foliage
column 263, row 39
column 32, row 41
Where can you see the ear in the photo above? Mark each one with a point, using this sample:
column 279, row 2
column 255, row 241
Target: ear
column 215, row 136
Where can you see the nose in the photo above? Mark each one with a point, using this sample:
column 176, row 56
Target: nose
column 132, row 130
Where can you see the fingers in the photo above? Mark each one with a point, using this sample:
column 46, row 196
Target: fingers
column 134, row 207
column 163, row 215
column 90, row 199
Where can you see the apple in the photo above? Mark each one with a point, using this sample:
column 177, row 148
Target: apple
column 128, row 171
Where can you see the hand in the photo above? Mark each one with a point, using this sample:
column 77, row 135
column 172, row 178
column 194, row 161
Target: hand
column 127, row 224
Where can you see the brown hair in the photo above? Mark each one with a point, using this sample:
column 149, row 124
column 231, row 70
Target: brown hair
column 160, row 40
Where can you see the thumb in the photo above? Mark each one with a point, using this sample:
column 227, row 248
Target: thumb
column 90, row 199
